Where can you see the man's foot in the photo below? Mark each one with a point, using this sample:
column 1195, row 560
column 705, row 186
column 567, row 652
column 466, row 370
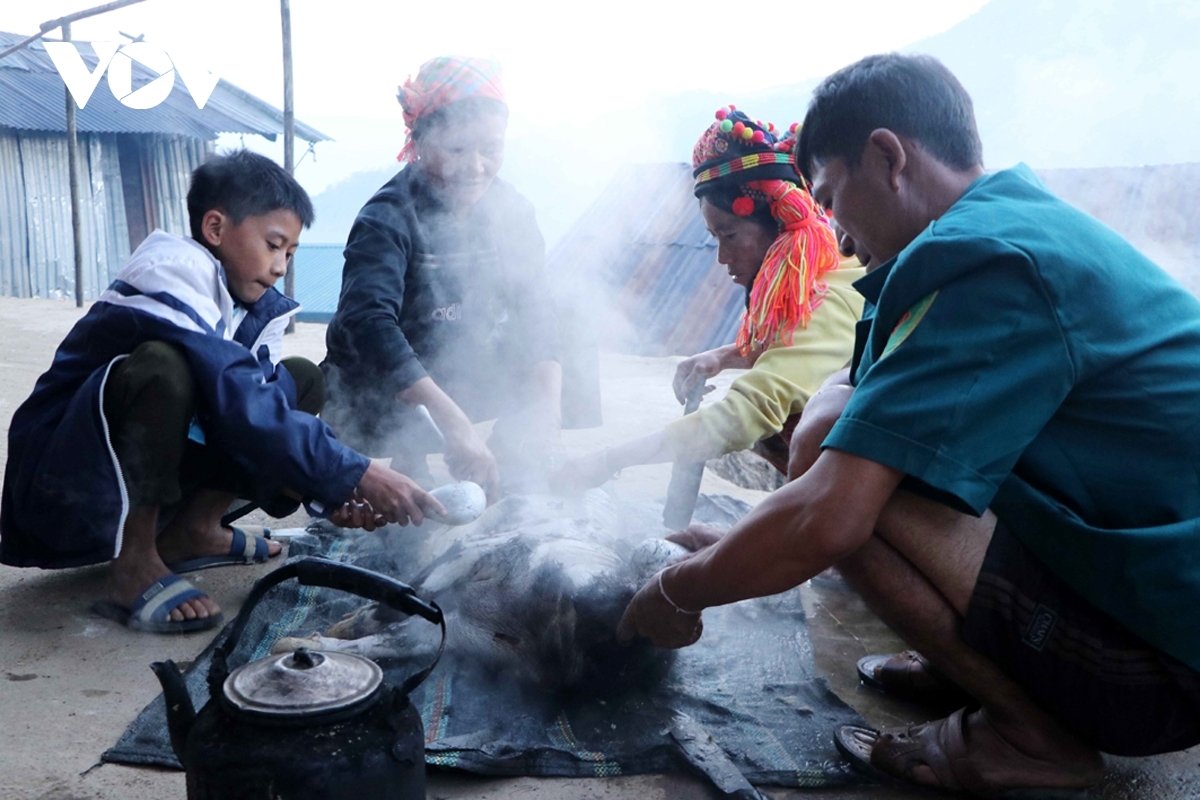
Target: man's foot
column 967, row 754
column 909, row 676
column 129, row 578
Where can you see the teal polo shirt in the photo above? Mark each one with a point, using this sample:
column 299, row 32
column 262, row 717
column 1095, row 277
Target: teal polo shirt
column 1024, row 357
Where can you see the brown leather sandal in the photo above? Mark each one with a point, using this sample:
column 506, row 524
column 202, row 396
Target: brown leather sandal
column 891, row 756
column 909, row 676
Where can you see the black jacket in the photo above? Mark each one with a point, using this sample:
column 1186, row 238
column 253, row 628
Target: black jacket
column 426, row 293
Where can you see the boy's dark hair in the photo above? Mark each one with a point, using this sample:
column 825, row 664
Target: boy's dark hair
column 244, row 184
column 457, row 113
column 913, row 96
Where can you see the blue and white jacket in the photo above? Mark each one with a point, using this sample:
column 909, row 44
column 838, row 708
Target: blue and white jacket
column 64, row 501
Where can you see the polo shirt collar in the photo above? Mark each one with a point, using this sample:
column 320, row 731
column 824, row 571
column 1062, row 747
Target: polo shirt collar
column 870, row 286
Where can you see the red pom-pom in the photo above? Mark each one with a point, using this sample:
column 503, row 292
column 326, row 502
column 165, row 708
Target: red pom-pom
column 738, row 127
column 743, row 206
column 732, row 107
column 722, row 113
column 795, row 126
column 758, row 137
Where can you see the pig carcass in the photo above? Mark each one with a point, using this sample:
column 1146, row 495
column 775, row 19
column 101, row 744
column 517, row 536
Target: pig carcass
column 533, row 588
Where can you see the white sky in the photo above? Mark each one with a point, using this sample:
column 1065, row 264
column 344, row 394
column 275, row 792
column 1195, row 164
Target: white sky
column 565, row 62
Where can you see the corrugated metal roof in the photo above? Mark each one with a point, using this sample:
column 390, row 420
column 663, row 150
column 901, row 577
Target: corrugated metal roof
column 318, row 280
column 643, row 248
column 32, row 98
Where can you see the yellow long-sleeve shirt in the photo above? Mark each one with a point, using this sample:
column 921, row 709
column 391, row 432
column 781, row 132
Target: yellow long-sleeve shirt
column 781, row 380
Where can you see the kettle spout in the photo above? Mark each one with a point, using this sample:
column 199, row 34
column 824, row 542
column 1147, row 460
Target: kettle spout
column 180, row 711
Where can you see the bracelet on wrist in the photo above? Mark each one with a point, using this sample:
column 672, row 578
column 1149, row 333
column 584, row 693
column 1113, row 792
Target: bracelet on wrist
column 663, row 591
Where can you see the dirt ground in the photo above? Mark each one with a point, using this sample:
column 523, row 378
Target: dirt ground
column 70, row 682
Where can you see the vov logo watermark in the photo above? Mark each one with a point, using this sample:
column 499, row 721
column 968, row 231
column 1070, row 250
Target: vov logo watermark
column 118, row 60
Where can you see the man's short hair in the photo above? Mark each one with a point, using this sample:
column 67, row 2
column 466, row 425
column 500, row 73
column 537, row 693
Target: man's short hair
column 244, row 184
column 913, row 96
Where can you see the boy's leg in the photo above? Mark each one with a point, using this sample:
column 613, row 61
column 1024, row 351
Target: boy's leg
column 310, row 384
column 148, row 402
column 195, row 531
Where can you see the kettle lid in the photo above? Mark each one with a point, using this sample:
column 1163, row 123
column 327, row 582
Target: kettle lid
column 304, row 683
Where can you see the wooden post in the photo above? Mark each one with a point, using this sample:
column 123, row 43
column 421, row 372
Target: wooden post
column 289, row 134
column 73, row 160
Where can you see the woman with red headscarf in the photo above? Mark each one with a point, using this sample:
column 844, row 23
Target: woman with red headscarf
column 442, row 305
column 801, row 306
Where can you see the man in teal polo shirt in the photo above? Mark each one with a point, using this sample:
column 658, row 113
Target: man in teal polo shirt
column 1011, row 476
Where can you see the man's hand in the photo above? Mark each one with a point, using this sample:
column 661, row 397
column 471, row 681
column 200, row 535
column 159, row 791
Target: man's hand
column 393, row 497
column 469, row 459
column 698, row 536
column 651, row 615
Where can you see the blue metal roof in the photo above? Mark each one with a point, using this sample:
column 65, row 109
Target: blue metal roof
column 32, row 98
column 318, row 280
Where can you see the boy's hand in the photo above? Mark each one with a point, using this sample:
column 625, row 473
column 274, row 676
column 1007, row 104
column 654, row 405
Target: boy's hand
column 357, row 513
column 394, row 497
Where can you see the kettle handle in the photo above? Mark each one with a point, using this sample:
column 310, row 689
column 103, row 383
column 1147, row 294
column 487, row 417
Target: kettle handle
column 313, row 571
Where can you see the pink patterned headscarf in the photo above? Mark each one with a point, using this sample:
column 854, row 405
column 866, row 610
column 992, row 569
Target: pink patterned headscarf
column 442, row 81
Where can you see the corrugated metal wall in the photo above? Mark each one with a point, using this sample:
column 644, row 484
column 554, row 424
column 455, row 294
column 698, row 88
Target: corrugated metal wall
column 36, row 247
column 172, row 159
column 13, row 236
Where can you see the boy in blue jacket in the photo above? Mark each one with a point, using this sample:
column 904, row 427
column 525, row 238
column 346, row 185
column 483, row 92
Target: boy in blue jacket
column 171, row 394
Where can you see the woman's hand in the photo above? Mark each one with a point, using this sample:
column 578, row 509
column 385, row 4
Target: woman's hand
column 392, row 497
column 694, row 371
column 469, row 459
column 583, row 473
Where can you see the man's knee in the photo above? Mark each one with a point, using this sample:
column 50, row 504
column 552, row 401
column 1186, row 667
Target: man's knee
column 947, row 546
column 310, row 384
column 820, row 414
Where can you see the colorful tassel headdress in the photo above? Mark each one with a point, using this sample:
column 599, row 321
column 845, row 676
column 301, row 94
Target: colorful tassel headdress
column 440, row 82
column 751, row 157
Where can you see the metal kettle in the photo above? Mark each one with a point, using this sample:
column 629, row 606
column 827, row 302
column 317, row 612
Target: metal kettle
column 303, row 725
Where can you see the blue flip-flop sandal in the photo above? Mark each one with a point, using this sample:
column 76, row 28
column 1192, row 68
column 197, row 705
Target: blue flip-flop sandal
column 247, row 548
column 151, row 611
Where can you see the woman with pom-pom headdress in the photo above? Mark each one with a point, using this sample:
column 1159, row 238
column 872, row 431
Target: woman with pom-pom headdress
column 801, row 307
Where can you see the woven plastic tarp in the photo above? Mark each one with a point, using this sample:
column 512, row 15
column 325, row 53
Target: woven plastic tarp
column 748, row 687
